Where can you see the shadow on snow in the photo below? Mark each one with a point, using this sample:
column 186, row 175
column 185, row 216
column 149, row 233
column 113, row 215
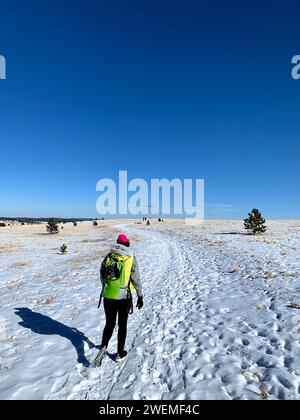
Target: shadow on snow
column 44, row 325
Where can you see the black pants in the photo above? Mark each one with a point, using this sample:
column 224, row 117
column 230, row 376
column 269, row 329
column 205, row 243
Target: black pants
column 113, row 308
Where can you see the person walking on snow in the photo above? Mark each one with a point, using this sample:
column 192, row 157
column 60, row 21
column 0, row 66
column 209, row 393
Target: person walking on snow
column 119, row 275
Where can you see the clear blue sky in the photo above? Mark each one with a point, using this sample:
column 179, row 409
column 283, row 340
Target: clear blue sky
column 162, row 88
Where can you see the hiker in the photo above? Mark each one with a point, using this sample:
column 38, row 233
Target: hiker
column 119, row 275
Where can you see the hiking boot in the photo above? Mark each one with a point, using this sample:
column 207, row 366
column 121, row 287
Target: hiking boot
column 121, row 355
column 100, row 356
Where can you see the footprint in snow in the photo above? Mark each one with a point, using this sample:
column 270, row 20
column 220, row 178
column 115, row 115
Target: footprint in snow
column 129, row 381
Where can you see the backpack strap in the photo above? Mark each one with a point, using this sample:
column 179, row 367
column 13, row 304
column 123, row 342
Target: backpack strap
column 100, row 300
column 129, row 297
column 101, row 268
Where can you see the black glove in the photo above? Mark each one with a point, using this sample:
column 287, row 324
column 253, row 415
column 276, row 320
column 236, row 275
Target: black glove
column 140, row 302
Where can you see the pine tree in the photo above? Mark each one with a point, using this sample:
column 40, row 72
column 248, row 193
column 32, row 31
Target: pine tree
column 148, row 222
column 75, row 224
column 255, row 222
column 52, row 226
column 95, row 223
column 63, row 249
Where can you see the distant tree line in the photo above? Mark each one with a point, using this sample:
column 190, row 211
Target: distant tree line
column 34, row 220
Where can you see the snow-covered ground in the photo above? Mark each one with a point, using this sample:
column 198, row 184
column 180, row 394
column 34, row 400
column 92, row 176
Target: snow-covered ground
column 217, row 321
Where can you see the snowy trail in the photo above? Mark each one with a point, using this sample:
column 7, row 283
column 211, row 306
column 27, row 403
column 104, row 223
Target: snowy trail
column 199, row 335
column 215, row 324
column 101, row 383
column 154, row 347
